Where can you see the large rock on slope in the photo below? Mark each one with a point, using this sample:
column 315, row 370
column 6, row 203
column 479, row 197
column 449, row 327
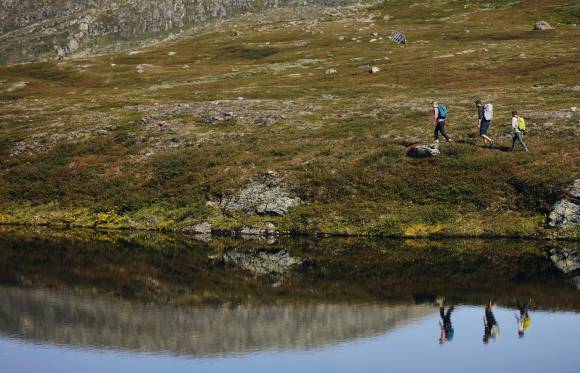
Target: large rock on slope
column 267, row 197
column 542, row 26
column 423, row 151
column 566, row 212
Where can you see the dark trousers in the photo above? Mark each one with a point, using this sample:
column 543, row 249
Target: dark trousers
column 440, row 127
column 519, row 137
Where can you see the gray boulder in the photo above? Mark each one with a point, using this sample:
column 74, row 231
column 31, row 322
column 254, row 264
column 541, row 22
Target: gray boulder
column 566, row 212
column 423, row 151
column 202, row 228
column 542, row 26
column 267, row 197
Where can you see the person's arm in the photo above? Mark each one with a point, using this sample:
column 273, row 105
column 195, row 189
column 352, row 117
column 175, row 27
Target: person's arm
column 515, row 123
column 435, row 114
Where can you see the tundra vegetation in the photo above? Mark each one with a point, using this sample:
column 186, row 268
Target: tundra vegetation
column 159, row 137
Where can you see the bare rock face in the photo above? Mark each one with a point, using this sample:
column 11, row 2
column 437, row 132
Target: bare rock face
column 267, row 197
column 55, row 29
column 423, row 151
column 566, row 212
column 542, row 26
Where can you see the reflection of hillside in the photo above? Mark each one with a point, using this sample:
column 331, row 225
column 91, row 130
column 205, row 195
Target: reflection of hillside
column 95, row 322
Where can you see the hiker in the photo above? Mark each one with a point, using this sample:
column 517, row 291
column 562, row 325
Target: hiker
column 484, row 118
column 519, row 126
column 523, row 321
column 491, row 328
column 439, row 118
column 447, row 331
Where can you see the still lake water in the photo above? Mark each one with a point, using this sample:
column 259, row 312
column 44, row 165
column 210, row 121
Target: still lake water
column 82, row 301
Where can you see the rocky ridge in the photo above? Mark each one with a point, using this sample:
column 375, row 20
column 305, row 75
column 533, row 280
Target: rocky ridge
column 56, row 29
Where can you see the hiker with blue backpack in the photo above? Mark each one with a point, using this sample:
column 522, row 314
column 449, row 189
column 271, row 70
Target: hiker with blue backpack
column 484, row 118
column 439, row 117
column 519, row 127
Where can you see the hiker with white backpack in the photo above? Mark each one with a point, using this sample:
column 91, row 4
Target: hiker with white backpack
column 484, row 118
column 439, row 118
column 519, row 127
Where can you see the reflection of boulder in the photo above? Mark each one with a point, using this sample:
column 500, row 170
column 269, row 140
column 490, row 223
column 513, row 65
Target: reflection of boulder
column 568, row 261
column 262, row 263
column 104, row 323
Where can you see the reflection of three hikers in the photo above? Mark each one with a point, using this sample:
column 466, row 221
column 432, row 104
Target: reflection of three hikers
column 491, row 327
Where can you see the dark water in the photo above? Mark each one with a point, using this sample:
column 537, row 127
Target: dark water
column 82, row 301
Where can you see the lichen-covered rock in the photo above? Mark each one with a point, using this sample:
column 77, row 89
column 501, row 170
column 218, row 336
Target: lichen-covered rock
column 202, row 228
column 542, row 26
column 566, row 212
column 268, row 197
column 423, row 151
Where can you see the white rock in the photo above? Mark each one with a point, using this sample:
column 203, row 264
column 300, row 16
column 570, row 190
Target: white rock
column 330, row 71
column 374, row 70
column 172, row 53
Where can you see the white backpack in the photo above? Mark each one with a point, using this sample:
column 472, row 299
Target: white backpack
column 488, row 112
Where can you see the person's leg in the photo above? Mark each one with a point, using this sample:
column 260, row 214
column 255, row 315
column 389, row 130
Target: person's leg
column 436, row 133
column 521, row 139
column 514, row 139
column 443, row 132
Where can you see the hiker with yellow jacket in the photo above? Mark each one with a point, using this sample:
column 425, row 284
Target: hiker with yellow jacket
column 519, row 127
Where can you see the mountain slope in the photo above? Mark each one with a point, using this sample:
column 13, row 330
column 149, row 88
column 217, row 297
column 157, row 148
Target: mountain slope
column 186, row 131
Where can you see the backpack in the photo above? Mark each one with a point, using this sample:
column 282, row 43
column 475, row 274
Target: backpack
column 442, row 111
column 488, row 112
column 521, row 124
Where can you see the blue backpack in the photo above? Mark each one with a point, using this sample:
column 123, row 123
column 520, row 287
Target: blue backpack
column 442, row 111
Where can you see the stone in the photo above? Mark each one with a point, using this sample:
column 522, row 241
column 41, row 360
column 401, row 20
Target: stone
column 566, row 212
column 172, row 53
column 563, row 214
column 265, row 197
column 374, row 70
column 423, row 151
column 573, row 191
column 542, row 26
column 330, row 72
column 202, row 228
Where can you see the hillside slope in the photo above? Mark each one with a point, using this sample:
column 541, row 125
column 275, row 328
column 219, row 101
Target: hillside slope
column 281, row 105
column 53, row 29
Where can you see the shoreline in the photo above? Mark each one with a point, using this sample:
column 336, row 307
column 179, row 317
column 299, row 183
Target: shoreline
column 237, row 233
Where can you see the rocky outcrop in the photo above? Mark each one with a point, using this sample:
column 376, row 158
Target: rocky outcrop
column 566, row 212
column 423, row 151
column 266, row 197
column 542, row 26
column 49, row 29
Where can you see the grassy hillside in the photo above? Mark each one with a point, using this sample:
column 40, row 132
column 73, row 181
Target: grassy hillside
column 128, row 140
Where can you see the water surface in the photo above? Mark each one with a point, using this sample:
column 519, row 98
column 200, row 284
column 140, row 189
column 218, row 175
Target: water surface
column 116, row 302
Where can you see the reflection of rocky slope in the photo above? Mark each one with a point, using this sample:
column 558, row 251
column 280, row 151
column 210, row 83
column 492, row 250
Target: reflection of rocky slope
column 57, row 28
column 44, row 316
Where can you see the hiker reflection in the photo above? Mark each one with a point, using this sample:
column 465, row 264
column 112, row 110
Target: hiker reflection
column 523, row 320
column 445, row 323
column 491, row 328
